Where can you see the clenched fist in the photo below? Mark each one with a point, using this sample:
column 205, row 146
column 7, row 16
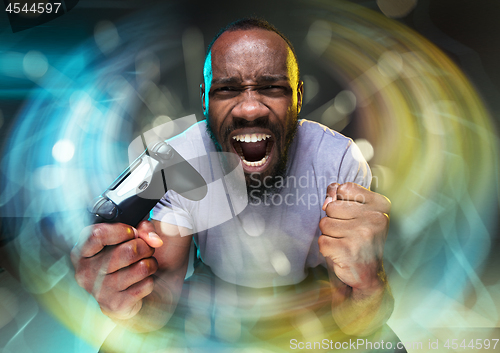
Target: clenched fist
column 115, row 263
column 353, row 236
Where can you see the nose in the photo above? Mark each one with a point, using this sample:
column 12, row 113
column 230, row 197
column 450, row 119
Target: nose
column 250, row 106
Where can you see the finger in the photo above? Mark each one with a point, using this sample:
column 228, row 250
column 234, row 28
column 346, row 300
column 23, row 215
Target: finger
column 353, row 192
column 372, row 225
column 332, row 190
column 331, row 194
column 146, row 231
column 334, row 249
column 381, row 203
column 337, row 228
column 125, row 313
column 102, row 235
column 128, row 276
column 345, row 209
column 357, row 193
column 342, row 259
column 141, row 289
column 126, row 254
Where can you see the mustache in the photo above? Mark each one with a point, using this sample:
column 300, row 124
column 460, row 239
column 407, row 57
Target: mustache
column 259, row 122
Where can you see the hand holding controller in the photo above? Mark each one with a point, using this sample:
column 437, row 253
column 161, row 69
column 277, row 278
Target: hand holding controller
column 113, row 260
column 115, row 263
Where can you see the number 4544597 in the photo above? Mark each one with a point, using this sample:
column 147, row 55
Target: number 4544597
column 474, row 344
column 40, row 7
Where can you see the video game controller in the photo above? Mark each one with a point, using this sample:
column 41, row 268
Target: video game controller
column 138, row 189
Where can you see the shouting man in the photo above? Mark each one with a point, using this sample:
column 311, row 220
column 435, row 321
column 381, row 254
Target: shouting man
column 309, row 212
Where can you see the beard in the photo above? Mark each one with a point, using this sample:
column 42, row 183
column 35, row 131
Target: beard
column 256, row 188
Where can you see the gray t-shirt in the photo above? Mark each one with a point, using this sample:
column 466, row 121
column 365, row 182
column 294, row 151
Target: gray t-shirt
column 250, row 242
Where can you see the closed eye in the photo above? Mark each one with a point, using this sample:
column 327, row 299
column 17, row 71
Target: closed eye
column 226, row 92
column 271, row 87
column 227, row 88
column 273, row 90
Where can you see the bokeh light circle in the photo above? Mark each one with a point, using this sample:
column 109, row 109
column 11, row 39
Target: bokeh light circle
column 63, row 151
column 35, row 64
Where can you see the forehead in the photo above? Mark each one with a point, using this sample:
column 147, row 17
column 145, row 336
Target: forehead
column 247, row 54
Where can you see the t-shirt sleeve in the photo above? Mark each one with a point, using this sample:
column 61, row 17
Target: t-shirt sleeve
column 170, row 210
column 354, row 168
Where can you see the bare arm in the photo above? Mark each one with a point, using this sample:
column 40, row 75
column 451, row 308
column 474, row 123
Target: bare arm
column 354, row 233
column 360, row 312
column 136, row 275
column 172, row 258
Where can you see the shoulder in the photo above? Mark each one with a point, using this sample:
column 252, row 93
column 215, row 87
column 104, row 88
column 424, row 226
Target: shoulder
column 194, row 132
column 321, row 137
column 193, row 142
column 335, row 155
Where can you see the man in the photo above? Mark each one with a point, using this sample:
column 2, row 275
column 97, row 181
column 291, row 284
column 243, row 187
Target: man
column 251, row 97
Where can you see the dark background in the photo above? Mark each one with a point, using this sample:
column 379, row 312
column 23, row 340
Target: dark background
column 468, row 31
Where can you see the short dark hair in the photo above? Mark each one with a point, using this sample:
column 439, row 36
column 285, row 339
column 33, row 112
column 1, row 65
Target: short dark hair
column 248, row 23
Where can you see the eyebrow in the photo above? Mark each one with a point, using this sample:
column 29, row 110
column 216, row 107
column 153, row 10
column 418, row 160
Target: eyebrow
column 262, row 78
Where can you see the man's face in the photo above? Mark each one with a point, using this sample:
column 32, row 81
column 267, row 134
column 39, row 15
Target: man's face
column 252, row 97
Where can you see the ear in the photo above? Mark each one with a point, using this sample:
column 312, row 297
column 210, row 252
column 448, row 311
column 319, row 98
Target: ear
column 300, row 95
column 202, row 96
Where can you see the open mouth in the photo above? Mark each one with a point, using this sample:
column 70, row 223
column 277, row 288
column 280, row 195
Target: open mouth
column 254, row 149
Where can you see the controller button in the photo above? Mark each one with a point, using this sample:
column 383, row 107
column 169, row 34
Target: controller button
column 107, row 210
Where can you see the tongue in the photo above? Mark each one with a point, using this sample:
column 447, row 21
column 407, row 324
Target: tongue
column 254, row 151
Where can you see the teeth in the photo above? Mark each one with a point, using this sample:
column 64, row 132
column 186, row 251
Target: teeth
column 247, row 138
column 251, row 137
column 255, row 164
